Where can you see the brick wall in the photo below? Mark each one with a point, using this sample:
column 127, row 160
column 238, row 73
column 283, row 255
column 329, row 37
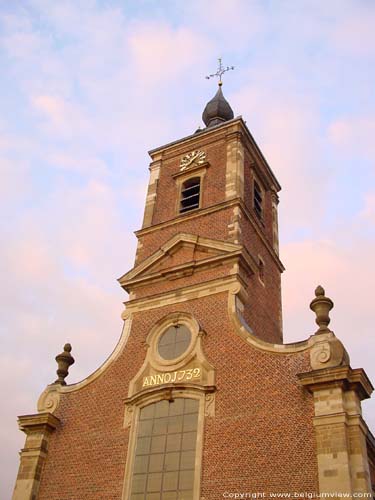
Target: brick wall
column 260, row 439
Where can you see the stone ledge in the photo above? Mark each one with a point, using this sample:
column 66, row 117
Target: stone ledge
column 344, row 376
column 38, row 422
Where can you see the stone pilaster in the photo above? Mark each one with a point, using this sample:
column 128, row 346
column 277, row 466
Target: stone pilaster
column 38, row 429
column 234, row 177
column 339, row 428
column 151, row 191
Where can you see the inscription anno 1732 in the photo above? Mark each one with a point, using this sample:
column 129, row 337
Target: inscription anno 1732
column 171, row 377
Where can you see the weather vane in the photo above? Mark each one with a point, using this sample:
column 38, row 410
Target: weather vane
column 220, row 71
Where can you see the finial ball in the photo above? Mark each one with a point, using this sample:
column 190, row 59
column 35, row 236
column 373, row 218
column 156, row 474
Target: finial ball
column 67, row 347
column 319, row 291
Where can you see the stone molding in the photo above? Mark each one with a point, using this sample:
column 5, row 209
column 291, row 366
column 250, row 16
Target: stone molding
column 38, row 428
column 192, row 358
column 316, row 344
column 218, row 252
column 234, row 202
column 340, row 430
column 50, row 398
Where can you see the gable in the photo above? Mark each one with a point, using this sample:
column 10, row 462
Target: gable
column 180, row 252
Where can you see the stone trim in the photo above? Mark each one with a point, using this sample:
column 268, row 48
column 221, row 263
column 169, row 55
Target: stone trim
column 38, row 428
column 182, row 294
column 187, row 216
column 49, row 400
column 340, row 376
column 235, row 125
column 234, row 175
column 192, row 171
column 151, row 193
column 191, row 359
column 219, row 206
column 340, row 431
column 205, row 396
column 170, row 247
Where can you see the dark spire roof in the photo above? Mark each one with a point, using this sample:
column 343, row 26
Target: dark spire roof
column 217, row 110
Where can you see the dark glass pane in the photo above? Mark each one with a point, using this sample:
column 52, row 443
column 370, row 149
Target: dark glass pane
column 169, row 495
column 145, row 428
column 187, row 460
column 185, row 495
column 153, row 496
column 168, row 336
column 156, row 462
column 190, row 422
column 139, row 483
column 174, row 342
column 154, row 482
column 172, row 461
column 147, row 412
column 140, row 464
column 162, row 409
column 191, row 405
column 188, row 440
column 175, row 423
column 160, row 426
column 176, row 407
column 173, row 442
column 158, row 444
column 170, row 481
column 143, row 445
column 186, row 480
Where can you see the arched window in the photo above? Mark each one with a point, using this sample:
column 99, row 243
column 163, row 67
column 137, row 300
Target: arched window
column 164, row 462
column 190, row 194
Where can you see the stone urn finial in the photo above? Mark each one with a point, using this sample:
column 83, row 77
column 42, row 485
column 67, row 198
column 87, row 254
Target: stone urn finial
column 321, row 306
column 64, row 360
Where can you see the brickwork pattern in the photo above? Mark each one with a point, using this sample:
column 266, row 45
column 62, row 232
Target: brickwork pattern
column 261, row 438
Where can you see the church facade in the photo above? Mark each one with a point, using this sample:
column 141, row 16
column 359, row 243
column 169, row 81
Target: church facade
column 201, row 399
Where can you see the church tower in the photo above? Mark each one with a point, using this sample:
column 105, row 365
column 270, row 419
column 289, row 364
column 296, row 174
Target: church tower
column 211, row 221
column 201, row 399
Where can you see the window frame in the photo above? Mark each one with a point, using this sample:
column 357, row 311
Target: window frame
column 180, row 181
column 259, row 216
column 154, row 397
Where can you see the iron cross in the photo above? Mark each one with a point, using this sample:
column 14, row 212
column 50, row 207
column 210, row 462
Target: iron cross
column 220, row 71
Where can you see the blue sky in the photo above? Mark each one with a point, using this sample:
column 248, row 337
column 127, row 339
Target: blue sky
column 88, row 87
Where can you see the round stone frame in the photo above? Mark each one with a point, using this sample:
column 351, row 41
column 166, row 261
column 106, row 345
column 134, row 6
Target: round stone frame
column 158, row 330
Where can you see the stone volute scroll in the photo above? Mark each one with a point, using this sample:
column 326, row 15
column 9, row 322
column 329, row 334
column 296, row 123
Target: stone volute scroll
column 64, row 360
column 327, row 350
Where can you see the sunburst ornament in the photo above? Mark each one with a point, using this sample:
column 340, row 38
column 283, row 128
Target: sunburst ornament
column 191, row 159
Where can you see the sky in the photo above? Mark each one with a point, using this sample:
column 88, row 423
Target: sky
column 87, row 87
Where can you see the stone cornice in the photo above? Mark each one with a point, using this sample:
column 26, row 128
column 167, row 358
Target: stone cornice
column 38, row 422
column 184, row 217
column 205, row 211
column 345, row 376
column 230, row 127
column 221, row 252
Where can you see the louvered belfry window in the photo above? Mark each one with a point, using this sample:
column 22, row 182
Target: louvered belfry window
column 258, row 200
column 190, row 194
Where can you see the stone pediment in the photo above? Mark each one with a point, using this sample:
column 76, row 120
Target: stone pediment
column 181, row 256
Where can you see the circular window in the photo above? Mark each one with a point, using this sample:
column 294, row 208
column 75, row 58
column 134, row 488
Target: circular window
column 174, row 342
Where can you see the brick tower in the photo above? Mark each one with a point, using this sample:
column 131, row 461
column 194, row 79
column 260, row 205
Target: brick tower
column 201, row 399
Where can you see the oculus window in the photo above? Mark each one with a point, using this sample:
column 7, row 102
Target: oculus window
column 165, row 452
column 190, row 194
column 174, row 342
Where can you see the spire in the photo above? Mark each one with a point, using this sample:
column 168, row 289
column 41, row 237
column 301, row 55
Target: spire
column 218, row 109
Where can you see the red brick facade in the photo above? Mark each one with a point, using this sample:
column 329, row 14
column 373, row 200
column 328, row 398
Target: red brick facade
column 218, row 265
